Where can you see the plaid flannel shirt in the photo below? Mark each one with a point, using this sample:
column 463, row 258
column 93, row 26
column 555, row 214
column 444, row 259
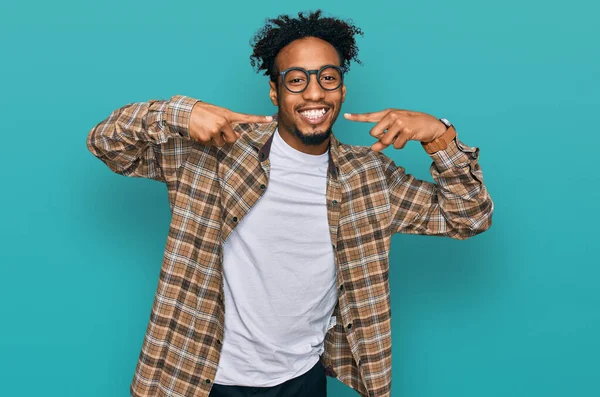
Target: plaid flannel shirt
column 210, row 191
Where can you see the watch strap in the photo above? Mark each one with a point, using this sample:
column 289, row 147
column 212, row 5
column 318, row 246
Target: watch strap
column 441, row 142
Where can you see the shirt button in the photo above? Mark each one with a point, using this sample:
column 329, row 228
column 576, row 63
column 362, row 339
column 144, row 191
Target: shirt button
column 335, row 202
column 342, row 287
column 207, row 381
column 349, row 326
column 262, row 156
column 262, row 187
column 235, row 219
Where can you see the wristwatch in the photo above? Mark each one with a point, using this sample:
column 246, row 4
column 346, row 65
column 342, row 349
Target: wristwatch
column 441, row 142
column 446, row 122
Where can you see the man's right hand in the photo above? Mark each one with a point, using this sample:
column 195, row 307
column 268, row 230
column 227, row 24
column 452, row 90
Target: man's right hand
column 211, row 125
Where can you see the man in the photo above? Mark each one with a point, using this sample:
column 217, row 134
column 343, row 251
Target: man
column 275, row 271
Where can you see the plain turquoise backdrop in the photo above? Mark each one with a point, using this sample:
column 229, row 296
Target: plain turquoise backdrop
column 512, row 312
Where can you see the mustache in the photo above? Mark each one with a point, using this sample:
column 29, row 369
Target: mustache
column 323, row 104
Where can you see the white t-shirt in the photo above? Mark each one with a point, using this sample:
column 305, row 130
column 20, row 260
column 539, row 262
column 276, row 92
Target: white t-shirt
column 279, row 276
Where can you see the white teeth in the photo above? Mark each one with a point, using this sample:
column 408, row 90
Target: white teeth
column 313, row 114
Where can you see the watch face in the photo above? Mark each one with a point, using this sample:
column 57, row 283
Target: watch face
column 446, row 122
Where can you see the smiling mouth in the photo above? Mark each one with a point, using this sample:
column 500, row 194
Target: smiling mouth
column 314, row 116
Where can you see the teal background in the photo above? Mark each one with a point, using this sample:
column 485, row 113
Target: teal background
column 512, row 312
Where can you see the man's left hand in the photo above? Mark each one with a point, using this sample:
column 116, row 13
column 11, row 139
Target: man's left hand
column 396, row 126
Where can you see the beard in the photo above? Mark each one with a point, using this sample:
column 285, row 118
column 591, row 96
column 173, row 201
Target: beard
column 314, row 139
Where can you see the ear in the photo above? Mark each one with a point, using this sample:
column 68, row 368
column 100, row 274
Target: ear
column 343, row 92
column 273, row 93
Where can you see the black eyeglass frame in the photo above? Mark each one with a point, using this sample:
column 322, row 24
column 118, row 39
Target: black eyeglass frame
column 308, row 73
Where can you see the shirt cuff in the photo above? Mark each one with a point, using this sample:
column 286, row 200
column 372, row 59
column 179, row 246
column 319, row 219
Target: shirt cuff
column 179, row 111
column 456, row 155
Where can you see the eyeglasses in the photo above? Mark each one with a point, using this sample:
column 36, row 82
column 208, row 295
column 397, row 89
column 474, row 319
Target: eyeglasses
column 330, row 78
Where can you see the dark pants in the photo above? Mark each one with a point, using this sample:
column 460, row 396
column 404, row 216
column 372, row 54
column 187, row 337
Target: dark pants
column 310, row 384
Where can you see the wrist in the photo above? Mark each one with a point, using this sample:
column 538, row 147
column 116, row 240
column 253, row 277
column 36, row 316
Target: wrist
column 441, row 129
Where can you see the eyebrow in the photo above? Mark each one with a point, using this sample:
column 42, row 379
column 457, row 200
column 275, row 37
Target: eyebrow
column 317, row 68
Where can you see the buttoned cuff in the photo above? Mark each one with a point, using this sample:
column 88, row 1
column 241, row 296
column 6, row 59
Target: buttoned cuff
column 179, row 111
column 456, row 155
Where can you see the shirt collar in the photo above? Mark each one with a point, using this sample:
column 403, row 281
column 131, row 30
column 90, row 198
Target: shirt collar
column 260, row 136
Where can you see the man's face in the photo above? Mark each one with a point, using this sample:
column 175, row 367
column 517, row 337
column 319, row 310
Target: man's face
column 308, row 53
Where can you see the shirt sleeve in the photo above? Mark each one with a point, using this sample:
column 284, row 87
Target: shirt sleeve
column 145, row 139
column 457, row 205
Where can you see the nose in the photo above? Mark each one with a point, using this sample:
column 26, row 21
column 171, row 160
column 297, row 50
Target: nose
column 314, row 92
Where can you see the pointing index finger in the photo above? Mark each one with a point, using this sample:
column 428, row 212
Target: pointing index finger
column 372, row 117
column 249, row 118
